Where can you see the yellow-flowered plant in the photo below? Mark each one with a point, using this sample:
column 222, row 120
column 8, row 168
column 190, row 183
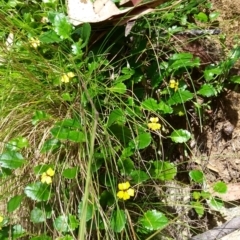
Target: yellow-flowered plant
column 173, row 84
column 125, row 192
column 154, row 124
column 34, row 42
column 47, row 176
column 67, row 76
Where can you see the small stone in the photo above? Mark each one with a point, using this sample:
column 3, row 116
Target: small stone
column 228, row 128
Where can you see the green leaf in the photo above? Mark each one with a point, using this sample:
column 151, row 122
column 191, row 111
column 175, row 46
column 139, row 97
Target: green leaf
column 141, row 141
column 119, row 88
column 50, row 145
column 164, row 170
column 62, row 26
column 198, row 207
column 72, row 222
column 89, row 211
column 14, row 203
column 213, row 16
column 181, row 96
column 216, row 204
column 183, row 60
column 196, row 195
column 17, row 143
column 37, row 215
column 150, row 104
column 153, row 220
column 116, row 116
column 61, row 223
column 180, row 136
column 235, row 79
column 138, row 176
column 11, row 159
column 85, row 32
column 66, row 237
column 118, row 220
column 202, row 17
column 126, row 166
column 164, row 108
column 41, row 237
column 63, row 133
column 38, row 191
column 122, row 133
column 220, row 187
column 196, row 176
column 49, row 37
column 18, row 231
column 70, row 173
column 40, row 116
column 70, row 123
column 205, row 195
column 207, row 90
column 211, row 72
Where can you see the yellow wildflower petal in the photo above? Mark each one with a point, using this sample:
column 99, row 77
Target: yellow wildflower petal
column 50, row 172
column 120, row 194
column 154, row 126
column 65, row 78
column 130, row 192
column 46, row 179
column 126, row 196
column 154, row 119
column 1, row 219
column 172, row 83
column 71, row 74
column 123, row 186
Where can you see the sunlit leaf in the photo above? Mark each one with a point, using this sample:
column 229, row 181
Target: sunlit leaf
column 37, row 215
column 181, row 96
column 164, row 170
column 198, row 207
column 180, row 136
column 153, row 220
column 150, row 104
column 207, row 90
column 220, row 187
column 196, row 176
column 141, row 141
column 38, row 191
column 138, row 176
column 70, row 173
column 61, row 223
column 11, row 159
column 119, row 88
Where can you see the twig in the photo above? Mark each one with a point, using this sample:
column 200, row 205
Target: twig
column 219, row 232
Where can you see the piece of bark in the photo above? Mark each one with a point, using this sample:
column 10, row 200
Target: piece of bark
column 219, row 232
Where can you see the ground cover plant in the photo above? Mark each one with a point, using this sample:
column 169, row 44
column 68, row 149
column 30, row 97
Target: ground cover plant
column 98, row 134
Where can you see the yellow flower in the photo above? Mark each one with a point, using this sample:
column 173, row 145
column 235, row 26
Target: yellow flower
column 46, row 179
column 154, row 125
column 125, row 191
column 124, row 186
column 1, row 219
column 173, row 84
column 67, row 76
column 50, row 172
column 34, row 42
